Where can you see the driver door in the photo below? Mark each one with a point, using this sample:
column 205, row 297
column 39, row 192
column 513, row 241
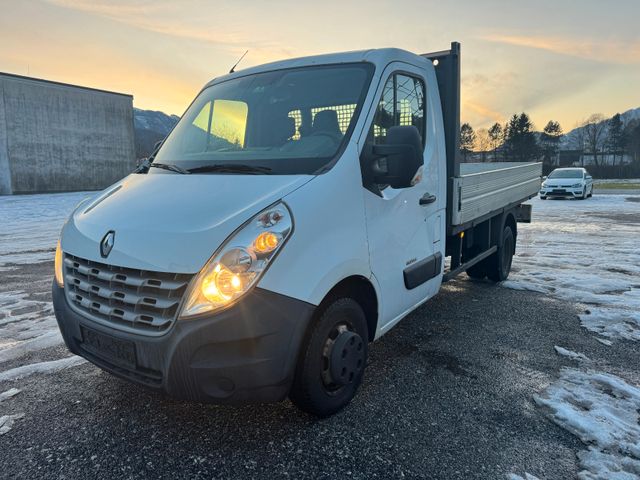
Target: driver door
column 405, row 251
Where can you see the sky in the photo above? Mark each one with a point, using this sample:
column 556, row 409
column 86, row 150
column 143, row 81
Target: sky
column 554, row 59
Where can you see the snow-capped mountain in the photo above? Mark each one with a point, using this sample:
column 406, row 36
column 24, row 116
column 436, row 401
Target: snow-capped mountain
column 150, row 126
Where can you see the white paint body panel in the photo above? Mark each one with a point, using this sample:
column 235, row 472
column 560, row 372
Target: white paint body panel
column 171, row 222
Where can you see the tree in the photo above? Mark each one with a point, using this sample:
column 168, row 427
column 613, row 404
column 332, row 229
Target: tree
column 520, row 140
column 594, row 135
column 632, row 135
column 483, row 143
column 550, row 137
column 495, row 137
column 467, row 140
column 615, row 136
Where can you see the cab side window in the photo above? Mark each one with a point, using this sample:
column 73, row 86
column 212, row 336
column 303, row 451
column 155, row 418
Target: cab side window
column 402, row 103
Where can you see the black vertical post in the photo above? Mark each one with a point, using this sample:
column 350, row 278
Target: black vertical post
column 447, row 67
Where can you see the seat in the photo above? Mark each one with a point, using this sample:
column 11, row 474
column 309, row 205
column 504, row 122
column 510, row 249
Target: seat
column 326, row 122
column 281, row 129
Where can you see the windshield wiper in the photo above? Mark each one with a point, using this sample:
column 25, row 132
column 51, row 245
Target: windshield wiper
column 231, row 168
column 173, row 168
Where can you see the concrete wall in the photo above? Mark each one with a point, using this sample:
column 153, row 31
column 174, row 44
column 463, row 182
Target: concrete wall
column 56, row 137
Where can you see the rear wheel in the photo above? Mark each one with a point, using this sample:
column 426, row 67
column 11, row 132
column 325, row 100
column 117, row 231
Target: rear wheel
column 499, row 264
column 331, row 364
column 478, row 271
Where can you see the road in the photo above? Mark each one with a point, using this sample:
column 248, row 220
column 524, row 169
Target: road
column 449, row 393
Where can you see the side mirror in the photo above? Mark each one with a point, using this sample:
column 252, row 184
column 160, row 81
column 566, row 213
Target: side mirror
column 397, row 161
column 589, row 177
column 544, row 178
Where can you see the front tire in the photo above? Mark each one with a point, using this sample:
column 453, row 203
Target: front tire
column 499, row 264
column 542, row 198
column 332, row 361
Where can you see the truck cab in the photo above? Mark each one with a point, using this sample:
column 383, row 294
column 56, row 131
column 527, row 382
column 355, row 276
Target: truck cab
column 296, row 213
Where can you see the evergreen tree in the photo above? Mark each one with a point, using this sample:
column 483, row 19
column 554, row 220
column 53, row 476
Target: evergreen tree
column 495, row 137
column 551, row 136
column 467, row 140
column 520, row 140
column 615, row 136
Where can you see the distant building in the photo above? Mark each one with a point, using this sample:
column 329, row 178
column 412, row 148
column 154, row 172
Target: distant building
column 56, row 137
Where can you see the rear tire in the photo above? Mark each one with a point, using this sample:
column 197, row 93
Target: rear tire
column 332, row 361
column 478, row 271
column 499, row 264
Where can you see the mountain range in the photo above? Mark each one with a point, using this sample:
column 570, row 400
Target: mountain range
column 150, row 126
column 569, row 139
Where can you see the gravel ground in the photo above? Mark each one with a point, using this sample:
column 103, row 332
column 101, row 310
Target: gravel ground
column 448, row 394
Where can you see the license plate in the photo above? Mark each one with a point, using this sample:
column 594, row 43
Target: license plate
column 558, row 191
column 120, row 352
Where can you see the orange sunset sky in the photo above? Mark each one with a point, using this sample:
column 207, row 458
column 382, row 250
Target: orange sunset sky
column 559, row 59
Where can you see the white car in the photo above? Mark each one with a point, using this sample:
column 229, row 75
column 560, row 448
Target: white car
column 567, row 183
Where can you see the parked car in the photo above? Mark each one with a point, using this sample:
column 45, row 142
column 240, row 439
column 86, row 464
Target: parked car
column 297, row 212
column 567, row 183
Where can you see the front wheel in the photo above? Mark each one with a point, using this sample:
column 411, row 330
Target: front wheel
column 332, row 362
column 584, row 194
column 542, row 198
column 499, row 264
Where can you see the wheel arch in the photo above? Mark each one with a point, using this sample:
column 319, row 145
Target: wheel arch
column 362, row 291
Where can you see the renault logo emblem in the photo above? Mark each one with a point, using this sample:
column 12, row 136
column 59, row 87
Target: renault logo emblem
column 107, row 243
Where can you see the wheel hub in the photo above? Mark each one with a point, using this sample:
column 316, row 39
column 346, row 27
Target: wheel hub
column 346, row 358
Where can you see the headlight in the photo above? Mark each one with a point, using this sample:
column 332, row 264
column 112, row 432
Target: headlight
column 544, row 185
column 57, row 266
column 239, row 262
column 577, row 185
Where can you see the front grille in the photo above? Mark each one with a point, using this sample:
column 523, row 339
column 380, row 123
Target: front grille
column 124, row 298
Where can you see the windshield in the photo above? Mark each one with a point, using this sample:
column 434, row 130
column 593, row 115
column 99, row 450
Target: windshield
column 566, row 174
column 284, row 122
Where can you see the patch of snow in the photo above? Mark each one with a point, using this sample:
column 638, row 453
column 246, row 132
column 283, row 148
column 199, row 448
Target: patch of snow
column 41, row 367
column 584, row 252
column 26, row 325
column 31, row 225
column 570, row 354
column 527, row 476
column 6, row 422
column 12, row 392
column 603, row 411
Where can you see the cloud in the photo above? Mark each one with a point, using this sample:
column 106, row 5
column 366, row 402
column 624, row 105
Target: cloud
column 162, row 19
column 481, row 114
column 601, row 50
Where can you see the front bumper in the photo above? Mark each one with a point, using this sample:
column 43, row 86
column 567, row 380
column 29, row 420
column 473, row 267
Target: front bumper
column 245, row 353
column 561, row 192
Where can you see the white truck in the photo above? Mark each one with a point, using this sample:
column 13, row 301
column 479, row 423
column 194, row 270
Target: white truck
column 296, row 213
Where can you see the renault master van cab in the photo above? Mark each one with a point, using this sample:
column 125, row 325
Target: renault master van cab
column 295, row 214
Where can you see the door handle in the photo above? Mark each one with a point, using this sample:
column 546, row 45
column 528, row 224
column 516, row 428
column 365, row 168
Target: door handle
column 427, row 198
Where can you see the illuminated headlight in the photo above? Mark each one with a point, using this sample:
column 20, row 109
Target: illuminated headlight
column 239, row 263
column 57, row 266
column 577, row 185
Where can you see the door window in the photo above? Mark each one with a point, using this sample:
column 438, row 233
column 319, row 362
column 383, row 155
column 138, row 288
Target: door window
column 402, row 103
